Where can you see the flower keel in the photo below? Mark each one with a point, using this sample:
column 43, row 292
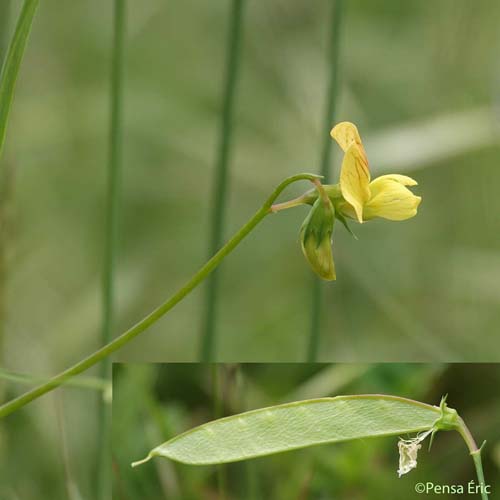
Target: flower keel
column 391, row 199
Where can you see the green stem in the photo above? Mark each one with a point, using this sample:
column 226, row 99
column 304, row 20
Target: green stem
column 12, row 63
column 207, row 351
column 71, row 487
column 250, row 482
column 476, row 456
column 103, row 483
column 4, row 191
column 8, row 77
column 81, row 382
column 4, row 24
column 218, row 411
column 301, row 200
column 157, row 313
column 331, row 102
column 475, row 452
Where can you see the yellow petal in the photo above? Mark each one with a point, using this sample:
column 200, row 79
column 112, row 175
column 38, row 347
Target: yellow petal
column 402, row 179
column 391, row 199
column 346, row 133
column 355, row 180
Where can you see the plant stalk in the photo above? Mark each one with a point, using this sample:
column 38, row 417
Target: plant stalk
column 301, row 200
column 103, row 483
column 12, row 63
column 93, row 383
column 4, row 182
column 218, row 411
column 4, row 25
column 331, row 104
column 475, row 453
column 156, row 314
column 208, row 345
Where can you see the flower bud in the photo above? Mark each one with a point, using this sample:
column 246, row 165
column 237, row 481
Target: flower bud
column 316, row 238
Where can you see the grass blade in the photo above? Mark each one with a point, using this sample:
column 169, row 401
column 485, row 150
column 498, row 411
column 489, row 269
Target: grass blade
column 10, row 68
column 218, row 403
column 221, row 176
column 111, row 244
column 93, row 383
column 8, row 77
column 297, row 425
column 4, row 177
column 331, row 101
column 4, row 26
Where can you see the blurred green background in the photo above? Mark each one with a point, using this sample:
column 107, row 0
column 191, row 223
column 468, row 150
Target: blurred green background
column 152, row 403
column 420, row 79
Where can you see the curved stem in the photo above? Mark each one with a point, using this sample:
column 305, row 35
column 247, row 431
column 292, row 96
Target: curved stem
column 157, row 313
column 475, row 453
column 278, row 207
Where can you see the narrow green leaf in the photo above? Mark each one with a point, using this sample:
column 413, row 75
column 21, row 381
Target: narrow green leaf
column 218, row 210
column 344, row 222
column 12, row 63
column 297, row 425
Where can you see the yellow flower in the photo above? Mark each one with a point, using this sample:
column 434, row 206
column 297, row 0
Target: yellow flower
column 386, row 196
column 356, row 196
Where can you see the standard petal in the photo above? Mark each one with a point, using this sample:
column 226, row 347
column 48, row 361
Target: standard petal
column 355, row 180
column 346, row 134
column 391, row 199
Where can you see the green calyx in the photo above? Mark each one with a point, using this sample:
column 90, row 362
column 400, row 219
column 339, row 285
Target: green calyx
column 449, row 419
column 331, row 190
column 343, row 210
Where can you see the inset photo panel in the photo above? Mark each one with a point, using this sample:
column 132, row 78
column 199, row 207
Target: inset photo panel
column 281, row 431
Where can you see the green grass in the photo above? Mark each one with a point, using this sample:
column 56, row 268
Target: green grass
column 12, row 63
column 332, row 95
column 113, row 219
column 221, row 177
column 4, row 26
